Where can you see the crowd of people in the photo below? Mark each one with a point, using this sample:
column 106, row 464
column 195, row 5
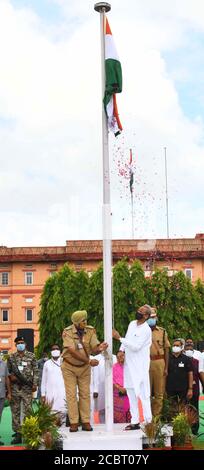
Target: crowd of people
column 145, row 369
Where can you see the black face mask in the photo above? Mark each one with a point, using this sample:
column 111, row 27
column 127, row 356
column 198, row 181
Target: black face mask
column 80, row 332
column 139, row 316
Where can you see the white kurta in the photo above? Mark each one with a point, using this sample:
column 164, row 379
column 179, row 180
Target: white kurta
column 93, row 389
column 137, row 344
column 99, row 380
column 198, row 355
column 52, row 385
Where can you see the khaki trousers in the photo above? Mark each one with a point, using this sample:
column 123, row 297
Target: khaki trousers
column 77, row 377
column 157, row 383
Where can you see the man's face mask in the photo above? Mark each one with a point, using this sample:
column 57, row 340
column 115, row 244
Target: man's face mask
column 189, row 352
column 176, row 349
column 151, row 322
column 21, row 347
column 139, row 316
column 55, row 353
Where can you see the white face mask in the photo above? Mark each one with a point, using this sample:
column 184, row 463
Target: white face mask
column 55, row 353
column 176, row 349
column 189, row 353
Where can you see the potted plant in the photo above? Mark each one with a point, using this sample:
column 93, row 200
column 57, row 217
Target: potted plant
column 155, row 435
column 40, row 428
column 182, row 434
column 31, row 432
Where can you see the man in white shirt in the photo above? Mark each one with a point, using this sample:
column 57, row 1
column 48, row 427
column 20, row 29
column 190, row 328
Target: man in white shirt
column 52, row 385
column 196, row 354
column 98, row 379
column 136, row 345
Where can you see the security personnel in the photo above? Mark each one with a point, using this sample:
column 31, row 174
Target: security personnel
column 159, row 357
column 23, row 375
column 79, row 341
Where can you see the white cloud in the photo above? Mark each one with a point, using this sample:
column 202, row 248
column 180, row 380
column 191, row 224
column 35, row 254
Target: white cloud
column 50, row 128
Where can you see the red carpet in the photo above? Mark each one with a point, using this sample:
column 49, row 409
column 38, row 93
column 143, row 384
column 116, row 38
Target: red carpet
column 12, row 448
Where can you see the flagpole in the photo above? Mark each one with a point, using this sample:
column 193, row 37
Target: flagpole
column 131, row 193
column 167, row 200
column 102, row 8
column 132, row 210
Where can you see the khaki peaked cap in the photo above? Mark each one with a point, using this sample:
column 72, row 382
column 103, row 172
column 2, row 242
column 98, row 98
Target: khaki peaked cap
column 78, row 316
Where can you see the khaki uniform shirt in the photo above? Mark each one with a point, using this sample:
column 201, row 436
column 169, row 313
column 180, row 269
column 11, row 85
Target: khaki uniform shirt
column 72, row 340
column 160, row 342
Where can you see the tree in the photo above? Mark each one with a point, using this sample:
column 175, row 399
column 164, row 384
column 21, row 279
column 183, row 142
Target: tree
column 94, row 302
column 137, row 288
column 158, row 292
column 182, row 301
column 121, row 296
column 180, row 304
column 59, row 300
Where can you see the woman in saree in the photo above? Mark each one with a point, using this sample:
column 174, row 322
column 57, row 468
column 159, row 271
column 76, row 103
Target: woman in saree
column 121, row 406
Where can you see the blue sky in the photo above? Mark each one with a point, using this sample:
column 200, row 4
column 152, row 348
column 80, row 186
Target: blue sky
column 186, row 66
column 50, row 119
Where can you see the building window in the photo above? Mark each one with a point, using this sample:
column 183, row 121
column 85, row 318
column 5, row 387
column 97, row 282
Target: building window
column 28, row 278
column 53, row 266
column 29, row 315
column 4, row 352
column 29, row 299
column 5, row 316
column 4, row 278
column 188, row 273
column 4, row 301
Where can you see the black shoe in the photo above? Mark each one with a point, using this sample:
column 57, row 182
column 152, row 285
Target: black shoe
column 132, row 427
column 17, row 439
column 86, row 427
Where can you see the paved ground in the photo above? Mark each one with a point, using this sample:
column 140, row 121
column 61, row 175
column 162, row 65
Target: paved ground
column 6, row 428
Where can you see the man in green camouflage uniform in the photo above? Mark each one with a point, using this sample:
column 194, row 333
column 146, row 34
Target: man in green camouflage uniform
column 23, row 375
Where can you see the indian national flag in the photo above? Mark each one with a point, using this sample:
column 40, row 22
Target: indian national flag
column 113, row 83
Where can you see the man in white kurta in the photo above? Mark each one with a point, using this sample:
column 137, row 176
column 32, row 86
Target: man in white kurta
column 52, row 385
column 136, row 345
column 98, row 386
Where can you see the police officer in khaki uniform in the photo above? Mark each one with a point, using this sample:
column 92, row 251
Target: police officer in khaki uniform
column 79, row 341
column 159, row 358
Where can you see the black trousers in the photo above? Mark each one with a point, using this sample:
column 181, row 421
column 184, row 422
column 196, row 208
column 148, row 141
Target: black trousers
column 195, row 403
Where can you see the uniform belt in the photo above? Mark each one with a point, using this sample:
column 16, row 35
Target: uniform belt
column 73, row 365
column 154, row 358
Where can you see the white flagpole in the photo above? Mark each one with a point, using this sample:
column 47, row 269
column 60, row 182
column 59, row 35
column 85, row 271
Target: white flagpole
column 131, row 195
column 103, row 8
column 132, row 210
